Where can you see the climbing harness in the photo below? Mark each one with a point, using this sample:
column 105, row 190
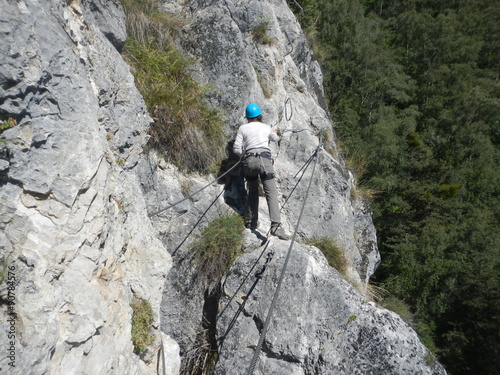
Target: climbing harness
column 265, row 327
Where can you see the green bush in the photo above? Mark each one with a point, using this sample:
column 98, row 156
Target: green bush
column 260, row 32
column 220, row 244
column 185, row 130
column 3, row 268
column 6, row 124
column 142, row 320
column 333, row 253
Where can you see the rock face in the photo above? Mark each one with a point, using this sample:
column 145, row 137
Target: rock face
column 320, row 325
column 278, row 72
column 74, row 227
column 77, row 193
column 275, row 69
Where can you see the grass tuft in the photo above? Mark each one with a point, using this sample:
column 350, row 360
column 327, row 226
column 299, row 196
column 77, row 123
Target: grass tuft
column 185, row 129
column 142, row 320
column 333, row 253
column 220, row 244
column 6, row 124
column 260, row 32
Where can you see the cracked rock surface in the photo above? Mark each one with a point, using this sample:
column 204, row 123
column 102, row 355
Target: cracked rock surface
column 73, row 221
column 320, row 325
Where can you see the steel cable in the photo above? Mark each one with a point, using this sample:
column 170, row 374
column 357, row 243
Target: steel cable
column 265, row 327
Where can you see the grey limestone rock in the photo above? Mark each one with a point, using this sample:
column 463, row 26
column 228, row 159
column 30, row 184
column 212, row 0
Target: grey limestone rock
column 74, row 226
column 77, row 191
column 320, row 324
column 282, row 76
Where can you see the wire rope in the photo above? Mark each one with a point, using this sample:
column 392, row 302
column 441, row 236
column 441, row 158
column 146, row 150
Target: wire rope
column 265, row 327
column 198, row 222
column 196, row 192
column 304, row 168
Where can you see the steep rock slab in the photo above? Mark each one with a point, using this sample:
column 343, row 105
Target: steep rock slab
column 73, row 221
column 320, row 325
column 283, row 77
column 255, row 51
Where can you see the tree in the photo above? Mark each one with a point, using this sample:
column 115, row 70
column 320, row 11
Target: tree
column 413, row 88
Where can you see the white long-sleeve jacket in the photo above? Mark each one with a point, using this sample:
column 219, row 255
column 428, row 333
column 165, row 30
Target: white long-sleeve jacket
column 254, row 135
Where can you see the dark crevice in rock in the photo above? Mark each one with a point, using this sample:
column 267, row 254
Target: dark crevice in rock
column 210, row 311
column 286, row 357
column 258, row 323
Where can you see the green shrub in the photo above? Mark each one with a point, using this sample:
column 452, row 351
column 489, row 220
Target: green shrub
column 260, row 32
column 3, row 268
column 6, row 124
column 185, row 130
column 333, row 253
column 219, row 245
column 142, row 320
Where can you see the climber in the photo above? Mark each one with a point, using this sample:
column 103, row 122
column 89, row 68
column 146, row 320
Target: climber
column 252, row 143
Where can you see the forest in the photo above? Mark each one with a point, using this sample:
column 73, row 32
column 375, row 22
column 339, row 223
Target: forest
column 414, row 93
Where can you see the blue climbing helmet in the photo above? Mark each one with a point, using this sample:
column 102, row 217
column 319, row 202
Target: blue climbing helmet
column 252, row 111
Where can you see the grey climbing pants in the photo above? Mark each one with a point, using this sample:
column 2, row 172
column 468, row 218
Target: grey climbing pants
column 260, row 166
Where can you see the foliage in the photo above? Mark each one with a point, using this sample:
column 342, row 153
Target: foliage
column 185, row 129
column 3, row 269
column 142, row 320
column 413, row 88
column 219, row 245
column 260, row 32
column 333, row 253
column 215, row 251
column 6, row 124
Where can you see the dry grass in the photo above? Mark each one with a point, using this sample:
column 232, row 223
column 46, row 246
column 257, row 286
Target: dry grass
column 333, row 253
column 201, row 358
column 185, row 130
column 260, row 32
column 219, row 245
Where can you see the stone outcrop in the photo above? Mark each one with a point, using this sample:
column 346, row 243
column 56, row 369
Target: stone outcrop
column 281, row 75
column 74, row 226
column 320, row 325
column 77, row 190
column 284, row 79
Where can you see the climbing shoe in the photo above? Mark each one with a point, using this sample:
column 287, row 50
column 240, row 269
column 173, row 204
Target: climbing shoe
column 278, row 231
